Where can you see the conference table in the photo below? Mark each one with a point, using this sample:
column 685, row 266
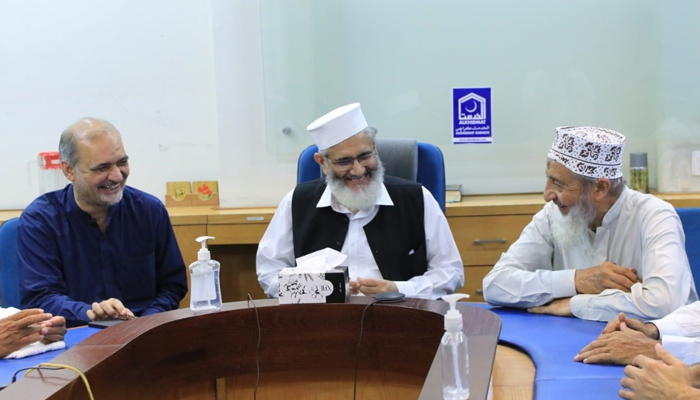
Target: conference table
column 361, row 349
column 403, row 347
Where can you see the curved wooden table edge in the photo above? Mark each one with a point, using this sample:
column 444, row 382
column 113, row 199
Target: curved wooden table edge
column 117, row 346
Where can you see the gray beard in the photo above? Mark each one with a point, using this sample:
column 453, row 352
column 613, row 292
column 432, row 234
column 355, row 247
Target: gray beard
column 572, row 230
column 365, row 197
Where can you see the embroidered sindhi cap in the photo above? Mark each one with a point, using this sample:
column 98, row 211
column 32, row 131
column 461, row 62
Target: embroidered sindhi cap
column 337, row 125
column 589, row 151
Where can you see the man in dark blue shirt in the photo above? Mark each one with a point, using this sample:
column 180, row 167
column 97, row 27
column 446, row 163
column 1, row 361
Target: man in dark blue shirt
column 98, row 249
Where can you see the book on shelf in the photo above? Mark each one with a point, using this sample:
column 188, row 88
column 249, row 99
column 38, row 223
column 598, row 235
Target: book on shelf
column 453, row 193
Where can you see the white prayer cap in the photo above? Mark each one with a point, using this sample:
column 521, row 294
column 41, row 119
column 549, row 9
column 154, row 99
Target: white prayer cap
column 589, row 151
column 337, row 125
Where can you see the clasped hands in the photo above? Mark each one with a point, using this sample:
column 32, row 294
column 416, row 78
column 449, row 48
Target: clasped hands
column 620, row 342
column 368, row 286
column 592, row 280
column 651, row 372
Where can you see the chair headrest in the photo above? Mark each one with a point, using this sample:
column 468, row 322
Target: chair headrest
column 400, row 157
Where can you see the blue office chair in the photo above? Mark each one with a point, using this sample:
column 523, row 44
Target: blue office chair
column 403, row 158
column 9, row 282
column 690, row 218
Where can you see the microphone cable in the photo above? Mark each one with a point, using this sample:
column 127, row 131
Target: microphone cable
column 359, row 343
column 257, row 349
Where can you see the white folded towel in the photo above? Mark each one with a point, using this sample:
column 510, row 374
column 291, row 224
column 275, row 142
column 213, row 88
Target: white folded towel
column 36, row 348
column 30, row 349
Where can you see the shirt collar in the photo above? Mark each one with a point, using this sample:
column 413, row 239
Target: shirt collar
column 73, row 208
column 614, row 211
column 327, row 199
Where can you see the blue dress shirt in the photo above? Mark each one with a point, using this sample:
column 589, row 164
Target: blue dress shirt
column 66, row 263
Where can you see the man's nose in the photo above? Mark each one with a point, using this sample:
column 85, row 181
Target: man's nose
column 357, row 168
column 548, row 194
column 115, row 174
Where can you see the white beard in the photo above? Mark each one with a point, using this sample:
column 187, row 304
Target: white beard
column 573, row 230
column 365, row 197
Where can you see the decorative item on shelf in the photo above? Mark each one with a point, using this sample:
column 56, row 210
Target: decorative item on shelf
column 177, row 194
column 206, row 193
column 639, row 172
column 453, row 193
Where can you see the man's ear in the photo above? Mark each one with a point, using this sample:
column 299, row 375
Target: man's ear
column 318, row 157
column 602, row 188
column 68, row 171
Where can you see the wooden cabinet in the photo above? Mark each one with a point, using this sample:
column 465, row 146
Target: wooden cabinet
column 481, row 241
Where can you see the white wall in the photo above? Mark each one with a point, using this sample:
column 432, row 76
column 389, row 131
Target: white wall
column 249, row 175
column 146, row 66
column 549, row 63
column 188, row 83
column 679, row 132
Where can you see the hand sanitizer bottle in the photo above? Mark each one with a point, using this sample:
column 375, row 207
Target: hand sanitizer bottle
column 454, row 352
column 206, row 291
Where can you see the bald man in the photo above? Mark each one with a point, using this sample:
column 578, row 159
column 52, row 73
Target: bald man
column 98, row 249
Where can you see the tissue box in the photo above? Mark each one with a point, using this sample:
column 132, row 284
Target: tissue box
column 331, row 286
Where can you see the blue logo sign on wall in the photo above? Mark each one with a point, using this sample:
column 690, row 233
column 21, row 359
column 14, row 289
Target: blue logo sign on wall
column 471, row 115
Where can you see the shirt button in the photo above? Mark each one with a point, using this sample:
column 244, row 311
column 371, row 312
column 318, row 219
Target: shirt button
column 337, row 243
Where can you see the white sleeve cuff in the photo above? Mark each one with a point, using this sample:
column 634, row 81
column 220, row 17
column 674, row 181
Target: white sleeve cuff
column 668, row 326
column 686, row 349
column 579, row 303
column 563, row 283
column 406, row 288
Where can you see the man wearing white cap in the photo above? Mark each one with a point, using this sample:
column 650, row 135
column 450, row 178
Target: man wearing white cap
column 597, row 248
column 393, row 231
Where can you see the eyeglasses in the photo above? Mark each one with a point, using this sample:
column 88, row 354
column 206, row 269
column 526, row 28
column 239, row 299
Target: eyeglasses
column 346, row 163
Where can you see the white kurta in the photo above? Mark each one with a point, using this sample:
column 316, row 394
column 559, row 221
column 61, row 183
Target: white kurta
column 445, row 272
column 639, row 231
column 680, row 333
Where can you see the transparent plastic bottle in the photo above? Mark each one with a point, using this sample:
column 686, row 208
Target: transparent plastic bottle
column 50, row 173
column 206, row 290
column 455, row 354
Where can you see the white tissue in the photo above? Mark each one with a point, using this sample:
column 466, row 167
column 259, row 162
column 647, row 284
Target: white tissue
column 320, row 261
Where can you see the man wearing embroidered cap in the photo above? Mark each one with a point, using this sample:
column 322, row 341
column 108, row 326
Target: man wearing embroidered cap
column 392, row 230
column 597, row 248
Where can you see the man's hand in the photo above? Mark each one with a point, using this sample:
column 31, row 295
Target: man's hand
column 21, row 329
column 53, row 330
column 648, row 379
column 369, row 287
column 649, row 329
column 604, row 276
column 108, row 309
column 618, row 347
column 560, row 307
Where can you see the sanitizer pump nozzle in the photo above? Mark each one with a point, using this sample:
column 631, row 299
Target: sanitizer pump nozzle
column 203, row 253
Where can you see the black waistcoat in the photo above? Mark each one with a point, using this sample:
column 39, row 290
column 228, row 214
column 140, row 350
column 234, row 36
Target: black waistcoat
column 396, row 235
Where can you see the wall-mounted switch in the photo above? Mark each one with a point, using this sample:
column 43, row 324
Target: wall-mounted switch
column 696, row 163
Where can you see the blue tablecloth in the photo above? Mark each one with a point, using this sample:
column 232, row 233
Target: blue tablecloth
column 552, row 342
column 9, row 367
